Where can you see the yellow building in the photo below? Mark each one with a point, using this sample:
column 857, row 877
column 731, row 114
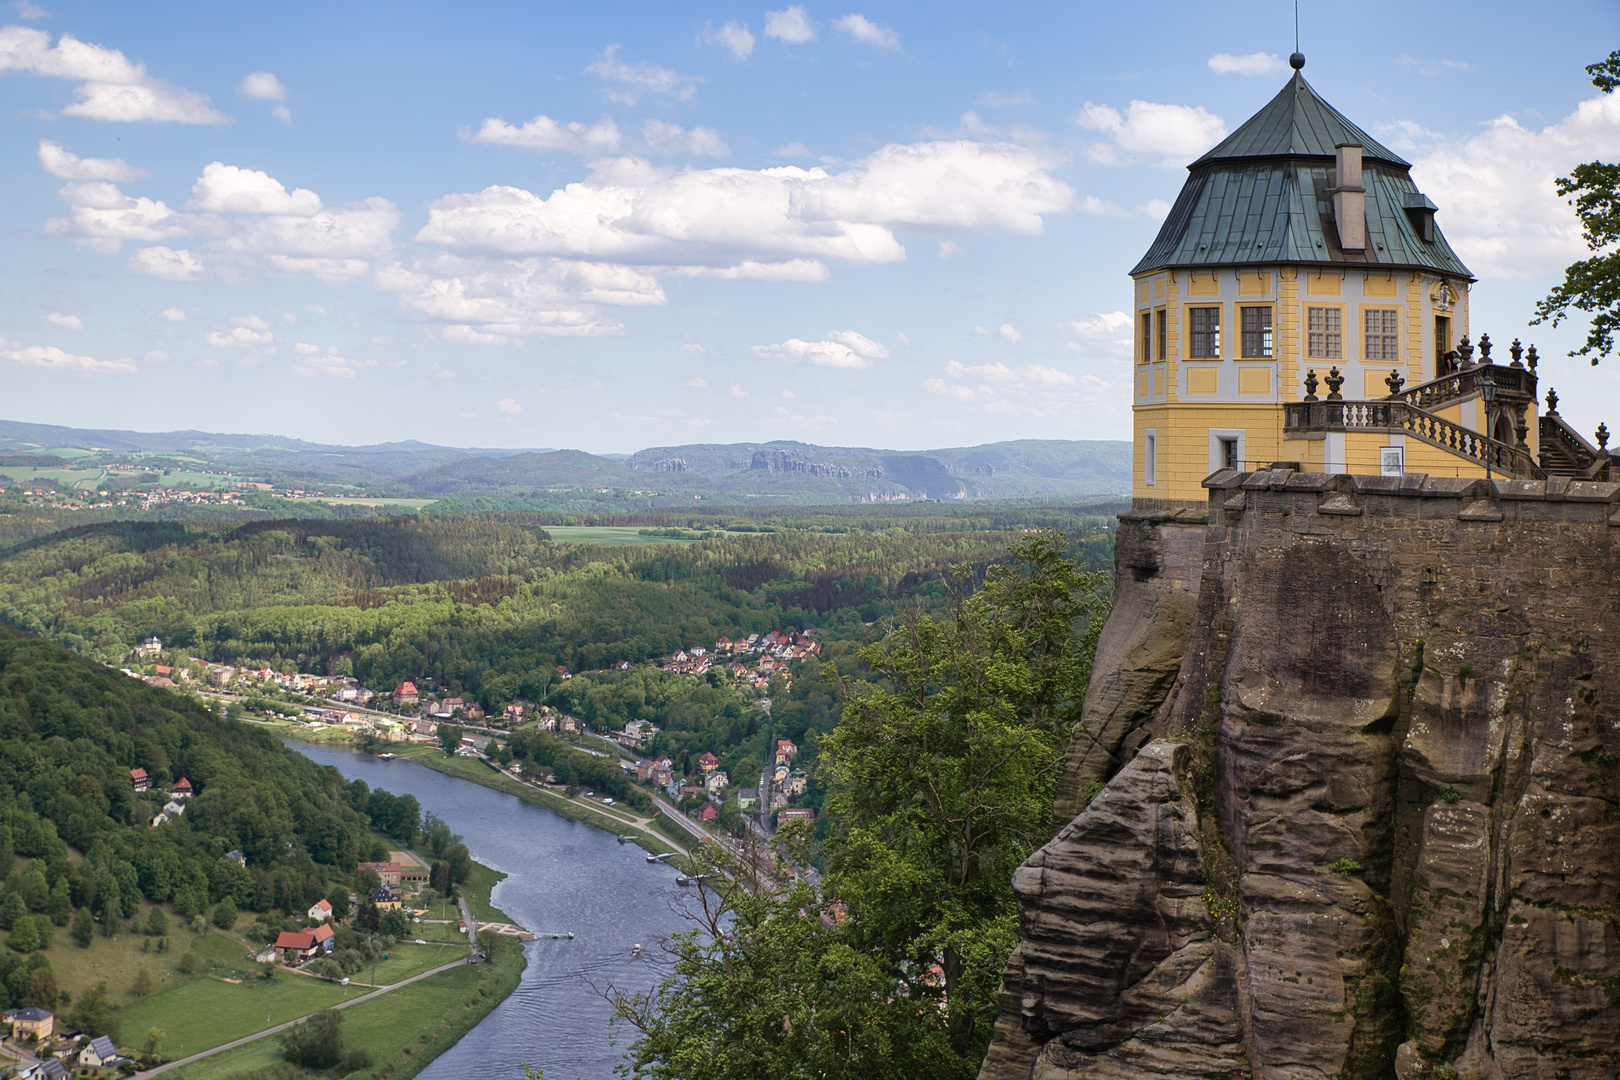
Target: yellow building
column 1301, row 306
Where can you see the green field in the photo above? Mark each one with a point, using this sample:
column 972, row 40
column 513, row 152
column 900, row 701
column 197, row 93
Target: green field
column 610, row 535
column 206, row 1012
column 84, row 479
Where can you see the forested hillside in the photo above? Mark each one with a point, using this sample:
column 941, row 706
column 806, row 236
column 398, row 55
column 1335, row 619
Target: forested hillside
column 484, row 604
column 71, row 731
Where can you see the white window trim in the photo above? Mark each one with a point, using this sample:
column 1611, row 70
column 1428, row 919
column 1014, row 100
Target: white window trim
column 1217, row 459
column 1150, row 455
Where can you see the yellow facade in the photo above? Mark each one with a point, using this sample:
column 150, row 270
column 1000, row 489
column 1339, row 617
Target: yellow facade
column 1204, row 396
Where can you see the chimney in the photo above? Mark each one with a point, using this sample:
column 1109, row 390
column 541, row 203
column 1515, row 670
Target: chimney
column 1350, row 198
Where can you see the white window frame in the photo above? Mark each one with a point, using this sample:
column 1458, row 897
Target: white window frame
column 1217, row 454
column 1150, row 457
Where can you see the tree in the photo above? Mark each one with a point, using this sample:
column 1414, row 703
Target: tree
column 93, row 1013
column 110, row 914
column 225, row 914
column 1592, row 285
column 84, row 928
column 12, row 908
column 942, row 779
column 339, row 899
column 366, row 917
column 157, row 923
column 41, row 989
column 24, row 938
column 439, row 877
column 449, row 739
column 44, row 930
column 153, row 1047
column 317, row 1043
column 394, row 922
column 142, row 986
column 188, row 963
column 326, row 968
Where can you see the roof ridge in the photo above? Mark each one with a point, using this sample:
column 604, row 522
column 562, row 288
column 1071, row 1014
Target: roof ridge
column 1297, row 122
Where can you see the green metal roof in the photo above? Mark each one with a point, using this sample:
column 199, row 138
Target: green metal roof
column 1263, row 197
column 1298, row 123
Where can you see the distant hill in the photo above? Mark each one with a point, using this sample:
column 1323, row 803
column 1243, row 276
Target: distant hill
column 778, row 471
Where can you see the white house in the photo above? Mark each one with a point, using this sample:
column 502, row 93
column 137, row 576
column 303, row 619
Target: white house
column 98, row 1052
column 322, row 910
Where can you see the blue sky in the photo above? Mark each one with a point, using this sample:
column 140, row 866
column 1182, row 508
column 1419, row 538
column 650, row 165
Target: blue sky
column 621, row 225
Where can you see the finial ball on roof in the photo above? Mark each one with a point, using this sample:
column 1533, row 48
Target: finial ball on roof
column 1297, row 61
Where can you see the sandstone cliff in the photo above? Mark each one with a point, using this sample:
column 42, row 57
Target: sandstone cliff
column 1361, row 745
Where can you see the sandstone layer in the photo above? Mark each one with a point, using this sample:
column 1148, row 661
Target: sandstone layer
column 1369, row 826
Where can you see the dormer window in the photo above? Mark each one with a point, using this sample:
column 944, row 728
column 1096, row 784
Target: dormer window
column 1420, row 211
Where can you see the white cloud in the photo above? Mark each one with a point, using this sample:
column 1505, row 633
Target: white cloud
column 1033, row 389
column 1108, row 332
column 1168, row 135
column 860, row 344
column 59, row 161
column 802, row 270
column 791, row 25
column 736, row 390
column 509, row 406
column 66, row 322
column 696, row 382
column 948, row 248
column 844, row 349
column 665, row 138
column 54, row 359
column 630, row 210
column 692, row 348
column 101, row 217
column 262, row 86
column 1499, row 208
column 641, row 78
column 1258, row 63
column 227, row 188
column 172, row 314
column 788, row 395
column 734, row 36
column 1001, row 101
column 170, row 264
column 26, row 10
column 867, row 32
column 544, row 133
column 245, row 332
column 110, row 87
column 1010, row 332
column 499, row 302
column 328, row 363
column 792, row 150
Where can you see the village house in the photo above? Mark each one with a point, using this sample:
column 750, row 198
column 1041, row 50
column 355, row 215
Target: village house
column 716, row 781
column 321, row 909
column 325, row 937
column 785, row 751
column 99, row 1053
column 708, row 762
column 795, row 813
column 386, row 897
column 412, row 871
column 30, row 1023
column 387, row 872
column 795, row 785
column 150, row 647
column 181, row 789
column 49, row 1069
column 708, row 813
column 236, row 857
column 139, row 778
column 406, row 695
column 295, row 946
column 648, row 766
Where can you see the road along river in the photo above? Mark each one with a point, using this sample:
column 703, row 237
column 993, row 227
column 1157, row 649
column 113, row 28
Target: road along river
column 562, row 877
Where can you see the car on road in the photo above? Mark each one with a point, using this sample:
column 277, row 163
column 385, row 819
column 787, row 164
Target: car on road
column 607, row 802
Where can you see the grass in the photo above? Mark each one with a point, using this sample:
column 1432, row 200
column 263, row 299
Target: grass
column 609, row 535
column 205, row 1012
column 402, row 1031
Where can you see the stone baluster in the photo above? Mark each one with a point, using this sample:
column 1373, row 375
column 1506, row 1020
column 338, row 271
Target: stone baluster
column 1334, row 381
column 1516, row 350
column 1310, row 385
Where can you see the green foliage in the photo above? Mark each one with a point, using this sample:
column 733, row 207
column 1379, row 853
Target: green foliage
column 1592, row 285
column 84, row 928
column 941, row 782
column 157, row 923
column 225, row 914
column 1345, row 866
column 394, row 922
column 24, row 937
column 317, row 1043
column 93, row 1013
column 1450, row 794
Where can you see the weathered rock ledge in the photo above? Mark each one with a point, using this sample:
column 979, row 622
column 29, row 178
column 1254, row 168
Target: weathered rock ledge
column 1357, row 741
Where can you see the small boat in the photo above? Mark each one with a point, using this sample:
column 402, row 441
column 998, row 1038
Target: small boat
column 683, row 880
column 635, row 950
column 623, row 839
column 386, row 757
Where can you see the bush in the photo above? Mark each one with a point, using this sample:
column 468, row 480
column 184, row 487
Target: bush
column 225, row 914
column 1345, row 867
column 93, row 1013
column 157, row 923
column 326, row 968
column 84, row 928
column 188, row 963
column 24, row 937
column 394, row 923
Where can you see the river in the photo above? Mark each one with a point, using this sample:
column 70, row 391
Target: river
column 562, row 876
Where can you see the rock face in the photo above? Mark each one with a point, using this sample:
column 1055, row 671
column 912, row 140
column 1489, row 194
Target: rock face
column 1371, row 825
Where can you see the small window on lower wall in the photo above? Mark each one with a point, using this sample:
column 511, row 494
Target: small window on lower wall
column 1391, row 460
column 1150, row 458
column 1226, row 450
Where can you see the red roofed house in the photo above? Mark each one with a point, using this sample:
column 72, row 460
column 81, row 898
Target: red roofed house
column 322, row 910
column 708, row 813
column 708, row 762
column 181, row 790
column 325, row 937
column 796, row 813
column 295, row 948
column 139, row 778
column 785, row 750
column 405, row 694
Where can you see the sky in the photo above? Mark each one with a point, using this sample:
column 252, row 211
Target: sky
column 614, row 226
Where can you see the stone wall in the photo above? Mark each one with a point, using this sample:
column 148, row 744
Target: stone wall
column 1370, row 826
